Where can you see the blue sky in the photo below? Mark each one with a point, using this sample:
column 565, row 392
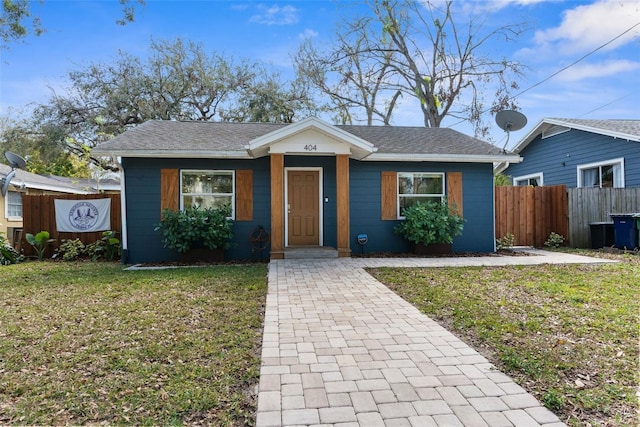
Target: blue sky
column 605, row 85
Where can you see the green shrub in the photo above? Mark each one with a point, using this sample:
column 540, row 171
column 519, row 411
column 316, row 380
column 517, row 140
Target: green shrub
column 71, row 249
column 430, row 222
column 8, row 254
column 196, row 228
column 108, row 247
column 554, row 241
column 505, row 242
column 40, row 242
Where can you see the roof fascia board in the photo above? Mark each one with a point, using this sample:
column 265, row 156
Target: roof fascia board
column 45, row 187
column 176, row 154
column 447, row 158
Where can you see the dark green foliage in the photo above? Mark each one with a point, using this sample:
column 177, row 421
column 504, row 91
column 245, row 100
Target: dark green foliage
column 107, row 248
column 430, row 222
column 71, row 249
column 506, row 242
column 40, row 242
column 8, row 255
column 196, row 228
column 555, row 240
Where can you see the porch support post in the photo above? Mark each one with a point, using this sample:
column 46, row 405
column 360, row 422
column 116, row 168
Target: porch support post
column 342, row 204
column 277, row 206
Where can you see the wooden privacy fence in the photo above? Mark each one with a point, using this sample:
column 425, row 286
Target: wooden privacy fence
column 531, row 213
column 38, row 214
column 589, row 205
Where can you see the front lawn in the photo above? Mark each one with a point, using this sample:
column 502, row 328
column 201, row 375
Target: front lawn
column 88, row 343
column 568, row 334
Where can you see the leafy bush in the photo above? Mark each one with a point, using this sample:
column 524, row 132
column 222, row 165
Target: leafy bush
column 196, row 228
column 8, row 255
column 505, row 242
column 554, row 241
column 430, row 222
column 40, row 242
column 108, row 247
column 71, row 249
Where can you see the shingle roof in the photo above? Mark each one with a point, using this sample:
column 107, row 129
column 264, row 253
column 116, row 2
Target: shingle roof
column 421, row 140
column 32, row 180
column 156, row 137
column 627, row 127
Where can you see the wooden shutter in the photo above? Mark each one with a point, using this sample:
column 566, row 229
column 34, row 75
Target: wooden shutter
column 389, row 195
column 454, row 191
column 169, row 189
column 244, row 195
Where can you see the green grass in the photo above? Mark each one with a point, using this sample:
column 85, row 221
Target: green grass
column 88, row 343
column 568, row 334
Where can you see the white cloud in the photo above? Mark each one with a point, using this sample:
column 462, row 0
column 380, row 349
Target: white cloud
column 588, row 26
column 275, row 15
column 598, row 70
column 481, row 6
column 308, row 34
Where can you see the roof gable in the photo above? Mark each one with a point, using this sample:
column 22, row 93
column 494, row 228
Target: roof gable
column 311, row 136
column 622, row 129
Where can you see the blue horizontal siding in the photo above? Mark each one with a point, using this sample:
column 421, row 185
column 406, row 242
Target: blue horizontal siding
column 365, row 200
column 143, row 204
column 559, row 156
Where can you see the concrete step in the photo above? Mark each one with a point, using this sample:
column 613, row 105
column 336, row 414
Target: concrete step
column 310, row 252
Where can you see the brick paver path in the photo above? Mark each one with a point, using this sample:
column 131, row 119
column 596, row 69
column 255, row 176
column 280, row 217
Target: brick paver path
column 341, row 349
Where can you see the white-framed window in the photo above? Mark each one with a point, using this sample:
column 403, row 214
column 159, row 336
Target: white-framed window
column 207, row 189
column 609, row 173
column 534, row 179
column 414, row 187
column 13, row 205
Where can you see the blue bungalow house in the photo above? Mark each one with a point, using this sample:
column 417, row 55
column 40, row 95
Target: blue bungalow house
column 579, row 153
column 309, row 184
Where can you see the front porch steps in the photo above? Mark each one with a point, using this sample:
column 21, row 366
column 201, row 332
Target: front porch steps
column 310, row 252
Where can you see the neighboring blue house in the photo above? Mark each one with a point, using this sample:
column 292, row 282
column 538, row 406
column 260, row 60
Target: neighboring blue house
column 579, row 153
column 310, row 184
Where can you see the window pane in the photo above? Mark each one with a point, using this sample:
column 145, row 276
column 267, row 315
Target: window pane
column 405, row 184
column 607, row 176
column 207, row 182
column 14, row 204
column 420, row 184
column 428, row 185
column 590, row 178
column 222, row 183
column 205, row 202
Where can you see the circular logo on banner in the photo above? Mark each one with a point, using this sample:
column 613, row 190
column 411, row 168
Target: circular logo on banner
column 83, row 215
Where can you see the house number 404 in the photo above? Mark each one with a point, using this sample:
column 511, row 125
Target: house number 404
column 310, row 147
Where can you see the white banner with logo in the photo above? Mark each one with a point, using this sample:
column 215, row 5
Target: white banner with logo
column 83, row 216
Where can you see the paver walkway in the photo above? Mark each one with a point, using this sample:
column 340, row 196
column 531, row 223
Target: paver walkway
column 341, row 349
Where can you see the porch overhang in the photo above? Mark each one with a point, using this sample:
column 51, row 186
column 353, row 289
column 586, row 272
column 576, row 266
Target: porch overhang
column 310, row 137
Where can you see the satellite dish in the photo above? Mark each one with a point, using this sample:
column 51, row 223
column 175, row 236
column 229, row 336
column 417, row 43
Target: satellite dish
column 510, row 120
column 16, row 162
